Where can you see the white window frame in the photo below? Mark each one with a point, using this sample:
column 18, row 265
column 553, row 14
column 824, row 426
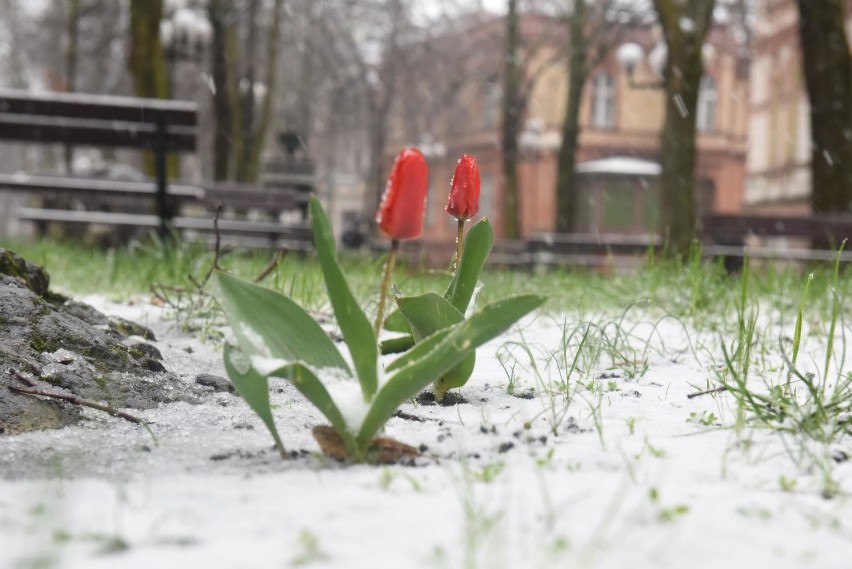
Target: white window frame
column 708, row 105
column 603, row 100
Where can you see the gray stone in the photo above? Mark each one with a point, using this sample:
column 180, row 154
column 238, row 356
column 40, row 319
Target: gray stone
column 215, row 382
column 66, row 347
column 29, row 274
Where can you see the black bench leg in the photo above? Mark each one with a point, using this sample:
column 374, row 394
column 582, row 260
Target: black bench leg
column 163, row 208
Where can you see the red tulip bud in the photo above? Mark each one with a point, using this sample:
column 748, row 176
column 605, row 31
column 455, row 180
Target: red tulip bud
column 400, row 215
column 464, row 192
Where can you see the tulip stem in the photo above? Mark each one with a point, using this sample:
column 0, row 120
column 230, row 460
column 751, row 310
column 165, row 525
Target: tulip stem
column 459, row 244
column 380, row 316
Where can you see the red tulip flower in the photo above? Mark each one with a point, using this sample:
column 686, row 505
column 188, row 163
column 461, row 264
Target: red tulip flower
column 463, row 202
column 400, row 215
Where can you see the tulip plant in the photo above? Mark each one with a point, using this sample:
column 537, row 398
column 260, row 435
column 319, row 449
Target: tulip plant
column 468, row 261
column 355, row 389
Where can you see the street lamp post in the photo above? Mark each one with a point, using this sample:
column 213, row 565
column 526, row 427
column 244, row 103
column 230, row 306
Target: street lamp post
column 185, row 34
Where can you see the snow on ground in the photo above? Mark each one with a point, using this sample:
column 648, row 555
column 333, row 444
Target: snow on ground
column 507, row 481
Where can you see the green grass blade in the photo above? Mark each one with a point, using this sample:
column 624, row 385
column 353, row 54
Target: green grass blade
column 356, row 328
column 254, row 389
column 797, row 330
column 436, row 357
column 835, row 310
column 477, row 247
column 269, row 324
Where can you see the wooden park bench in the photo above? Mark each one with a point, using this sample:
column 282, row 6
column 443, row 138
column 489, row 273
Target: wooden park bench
column 816, row 237
column 540, row 250
column 162, row 126
column 590, row 250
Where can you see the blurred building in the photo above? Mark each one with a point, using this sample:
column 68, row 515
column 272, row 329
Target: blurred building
column 451, row 103
column 779, row 134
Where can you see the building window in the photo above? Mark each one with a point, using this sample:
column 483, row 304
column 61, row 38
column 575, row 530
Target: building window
column 705, row 120
column 603, row 101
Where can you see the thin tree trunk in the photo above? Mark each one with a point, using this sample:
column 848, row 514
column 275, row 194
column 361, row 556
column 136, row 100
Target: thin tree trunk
column 146, row 62
column 380, row 105
column 828, row 77
column 73, row 31
column 264, row 119
column 512, row 106
column 221, row 102
column 682, row 78
column 247, row 100
column 567, row 198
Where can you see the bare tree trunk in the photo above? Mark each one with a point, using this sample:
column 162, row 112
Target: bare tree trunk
column 566, row 187
column 512, row 106
column 305, row 106
column 246, row 96
column 146, row 62
column 218, row 12
column 259, row 136
column 685, row 25
column 381, row 99
column 828, row 77
column 73, row 31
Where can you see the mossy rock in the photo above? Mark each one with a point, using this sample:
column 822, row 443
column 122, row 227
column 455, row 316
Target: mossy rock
column 29, row 274
column 67, row 347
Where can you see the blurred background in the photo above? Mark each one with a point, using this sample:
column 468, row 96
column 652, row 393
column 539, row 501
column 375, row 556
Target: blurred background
column 606, row 116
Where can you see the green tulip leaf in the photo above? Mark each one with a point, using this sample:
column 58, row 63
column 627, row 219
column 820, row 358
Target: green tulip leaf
column 438, row 354
column 428, row 313
column 356, row 328
column 456, row 377
column 396, row 322
column 269, row 324
column 397, row 345
column 309, row 383
column 477, row 247
column 253, row 388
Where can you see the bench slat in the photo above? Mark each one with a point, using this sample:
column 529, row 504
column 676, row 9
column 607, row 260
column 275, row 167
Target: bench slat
column 725, row 227
column 92, row 186
column 204, row 224
column 211, row 195
column 88, row 106
column 95, row 132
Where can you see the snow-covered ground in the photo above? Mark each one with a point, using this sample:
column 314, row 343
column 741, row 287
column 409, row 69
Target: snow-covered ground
column 625, row 476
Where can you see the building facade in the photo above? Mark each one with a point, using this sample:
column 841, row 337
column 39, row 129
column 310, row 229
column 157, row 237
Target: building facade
column 778, row 159
column 620, row 122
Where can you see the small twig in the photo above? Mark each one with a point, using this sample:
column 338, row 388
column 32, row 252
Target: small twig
column 279, row 256
column 216, row 249
column 73, row 399
column 20, row 376
column 708, row 392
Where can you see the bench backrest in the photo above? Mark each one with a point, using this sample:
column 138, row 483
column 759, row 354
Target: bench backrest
column 723, row 228
column 97, row 120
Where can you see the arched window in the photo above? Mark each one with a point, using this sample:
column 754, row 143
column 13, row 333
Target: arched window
column 705, row 119
column 603, row 101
